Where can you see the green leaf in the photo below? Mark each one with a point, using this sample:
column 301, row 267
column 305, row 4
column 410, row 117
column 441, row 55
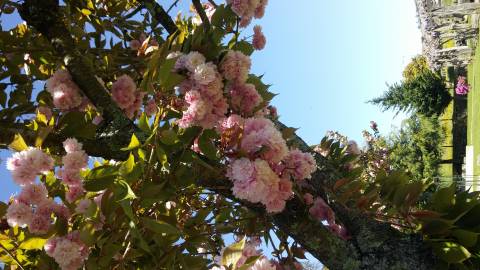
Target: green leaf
column 160, row 227
column 86, row 12
column 233, row 253
column 100, row 178
column 136, row 233
column 128, row 165
column 123, row 191
column 134, row 143
column 169, row 137
column 18, row 143
column 444, row 199
column 143, row 123
column 127, row 209
column 466, row 238
column 161, row 156
column 436, row 226
column 33, row 243
column 206, row 144
column 243, row 46
column 451, row 252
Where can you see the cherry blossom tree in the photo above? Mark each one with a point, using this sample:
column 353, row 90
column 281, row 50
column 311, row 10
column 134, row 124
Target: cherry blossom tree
column 140, row 140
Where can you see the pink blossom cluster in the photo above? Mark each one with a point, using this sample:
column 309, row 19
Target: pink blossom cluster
column 248, row 9
column 265, row 175
column 235, row 66
column 300, row 165
column 321, row 211
column 203, row 90
column 33, row 208
column 244, row 98
column 27, row 164
column 73, row 162
column 68, row 251
column 259, row 39
column 65, row 93
column 462, row 87
column 127, row 96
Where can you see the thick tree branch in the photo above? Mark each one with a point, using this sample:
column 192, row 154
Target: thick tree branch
column 201, row 12
column 161, row 16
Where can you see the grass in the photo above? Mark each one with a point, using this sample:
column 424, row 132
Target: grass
column 473, row 124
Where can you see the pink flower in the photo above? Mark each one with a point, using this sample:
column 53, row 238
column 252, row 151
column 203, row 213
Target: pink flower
column 249, row 250
column 60, row 76
column 74, row 193
column 261, row 138
column 247, row 9
column 235, row 66
column 75, row 161
column 27, row 164
column 61, row 211
column 339, row 230
column 83, row 206
column 134, row 108
column 260, row 10
column 205, row 73
column 123, row 91
column 259, row 39
column 19, row 214
column 70, row 177
column 45, row 207
column 462, row 87
column 151, row 108
column 97, row 120
column 33, row 194
column 263, row 264
column 321, row 211
column 66, row 96
column 245, row 98
column 193, row 60
column 72, row 145
column 40, row 224
column 230, row 122
column 300, row 165
column 256, row 182
column 68, row 251
column 308, row 198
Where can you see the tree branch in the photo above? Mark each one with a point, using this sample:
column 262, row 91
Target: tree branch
column 201, row 12
column 161, row 16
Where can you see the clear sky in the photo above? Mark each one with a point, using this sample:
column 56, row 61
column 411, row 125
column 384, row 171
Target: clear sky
column 325, row 59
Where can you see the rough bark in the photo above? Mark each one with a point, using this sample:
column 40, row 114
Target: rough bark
column 373, row 245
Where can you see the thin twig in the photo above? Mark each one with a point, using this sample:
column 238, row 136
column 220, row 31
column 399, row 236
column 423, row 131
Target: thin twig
column 172, row 5
column 11, row 256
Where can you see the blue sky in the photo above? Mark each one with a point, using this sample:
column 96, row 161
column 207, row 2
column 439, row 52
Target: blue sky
column 325, row 59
